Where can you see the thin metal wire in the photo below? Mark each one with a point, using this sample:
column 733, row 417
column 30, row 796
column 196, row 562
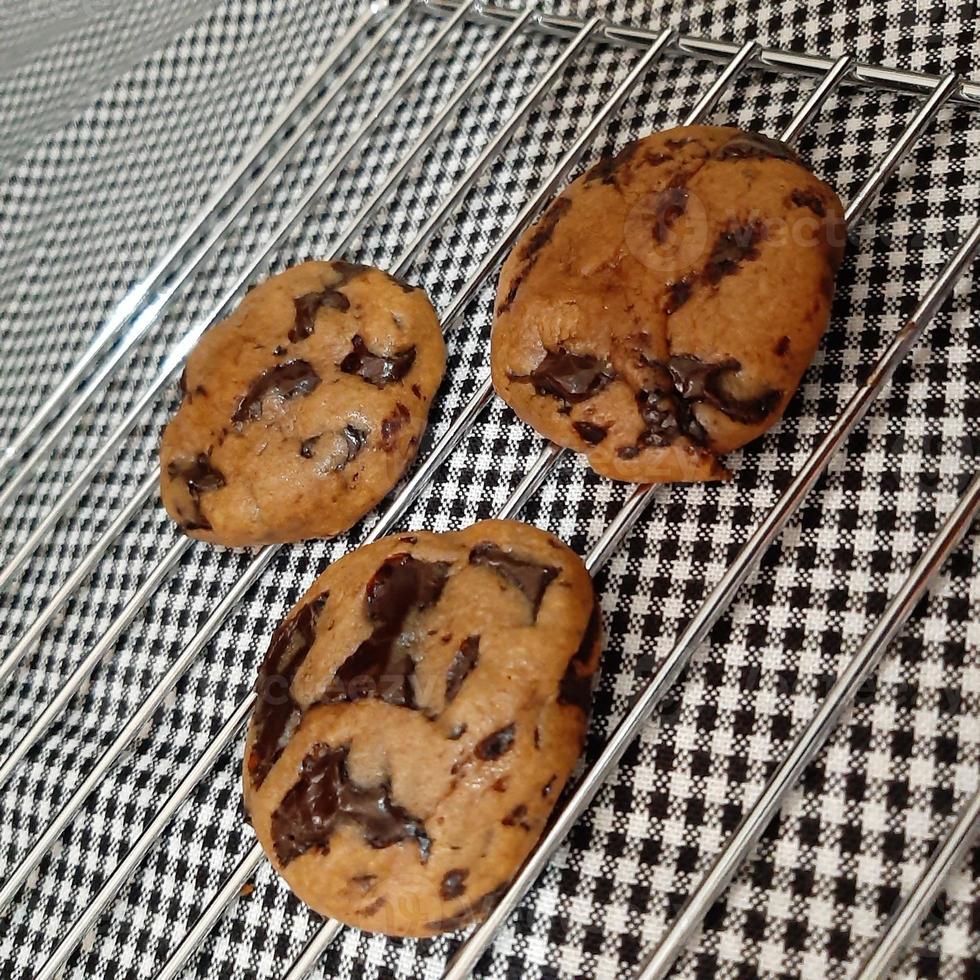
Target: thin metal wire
column 865, row 75
column 720, row 598
column 811, row 739
column 158, row 280
column 907, row 919
column 152, row 311
column 27, row 642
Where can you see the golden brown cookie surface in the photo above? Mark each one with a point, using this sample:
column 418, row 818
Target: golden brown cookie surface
column 302, row 409
column 663, row 309
column 418, row 714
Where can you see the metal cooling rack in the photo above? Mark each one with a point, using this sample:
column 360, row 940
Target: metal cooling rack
column 145, row 303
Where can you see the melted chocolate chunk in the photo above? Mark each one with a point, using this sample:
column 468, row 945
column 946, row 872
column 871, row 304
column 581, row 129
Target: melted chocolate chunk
column 199, row 476
column 283, row 381
column 307, row 448
column 529, row 576
column 679, row 292
column 465, row 660
column 697, row 381
column 377, row 369
column 382, row 666
column 347, row 271
column 453, row 884
column 755, row 146
column 567, row 376
column 668, row 207
column 540, row 237
column 607, row 169
column 734, row 245
column 807, row 199
column 279, row 350
column 576, row 689
column 628, row 452
column 593, row 434
column 276, row 714
column 496, row 743
column 476, row 910
column 325, row 797
column 391, row 425
column 353, row 437
column 516, row 817
column 782, row 346
column 456, row 732
column 307, row 307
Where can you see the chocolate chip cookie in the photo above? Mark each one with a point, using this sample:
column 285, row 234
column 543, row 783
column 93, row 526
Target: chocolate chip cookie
column 302, row 409
column 663, row 309
column 418, row 714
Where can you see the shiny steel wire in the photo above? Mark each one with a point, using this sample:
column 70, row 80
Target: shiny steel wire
column 752, row 826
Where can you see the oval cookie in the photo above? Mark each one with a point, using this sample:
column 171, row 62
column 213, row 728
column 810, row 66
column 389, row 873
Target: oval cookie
column 302, row 409
column 663, row 309
column 418, row 714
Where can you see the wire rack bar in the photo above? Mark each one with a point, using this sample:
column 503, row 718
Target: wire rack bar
column 12, row 886
column 157, row 281
column 710, row 612
column 151, row 313
column 905, row 923
column 811, row 739
column 865, row 75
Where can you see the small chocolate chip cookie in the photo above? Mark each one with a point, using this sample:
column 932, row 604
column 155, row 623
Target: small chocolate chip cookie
column 663, row 309
column 302, row 409
column 418, row 714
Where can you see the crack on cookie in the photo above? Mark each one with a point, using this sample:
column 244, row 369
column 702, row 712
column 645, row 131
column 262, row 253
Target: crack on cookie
column 463, row 663
column 540, row 236
column 277, row 714
column 325, row 797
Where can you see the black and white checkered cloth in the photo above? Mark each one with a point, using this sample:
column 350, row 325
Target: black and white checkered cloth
column 118, row 119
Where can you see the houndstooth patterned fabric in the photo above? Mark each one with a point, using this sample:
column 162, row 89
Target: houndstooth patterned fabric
column 116, row 123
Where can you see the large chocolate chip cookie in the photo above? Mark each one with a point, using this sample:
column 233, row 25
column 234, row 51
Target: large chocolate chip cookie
column 302, row 409
column 418, row 713
column 663, row 309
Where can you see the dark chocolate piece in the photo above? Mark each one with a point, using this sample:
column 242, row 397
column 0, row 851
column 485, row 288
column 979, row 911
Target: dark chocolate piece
column 668, row 207
column 782, row 346
column 465, row 660
column 325, row 797
column 679, row 292
column 807, row 199
column 593, row 434
column 754, row 146
column 276, row 714
column 496, row 743
column 284, row 381
column 516, row 817
column 200, row 476
column 382, row 666
column 476, row 910
column 529, row 576
column 697, row 381
column 734, row 245
column 567, row 376
column 391, row 425
column 576, row 689
column 307, row 448
column 540, row 237
column 307, row 307
column 453, row 884
column 608, row 167
column 379, row 370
